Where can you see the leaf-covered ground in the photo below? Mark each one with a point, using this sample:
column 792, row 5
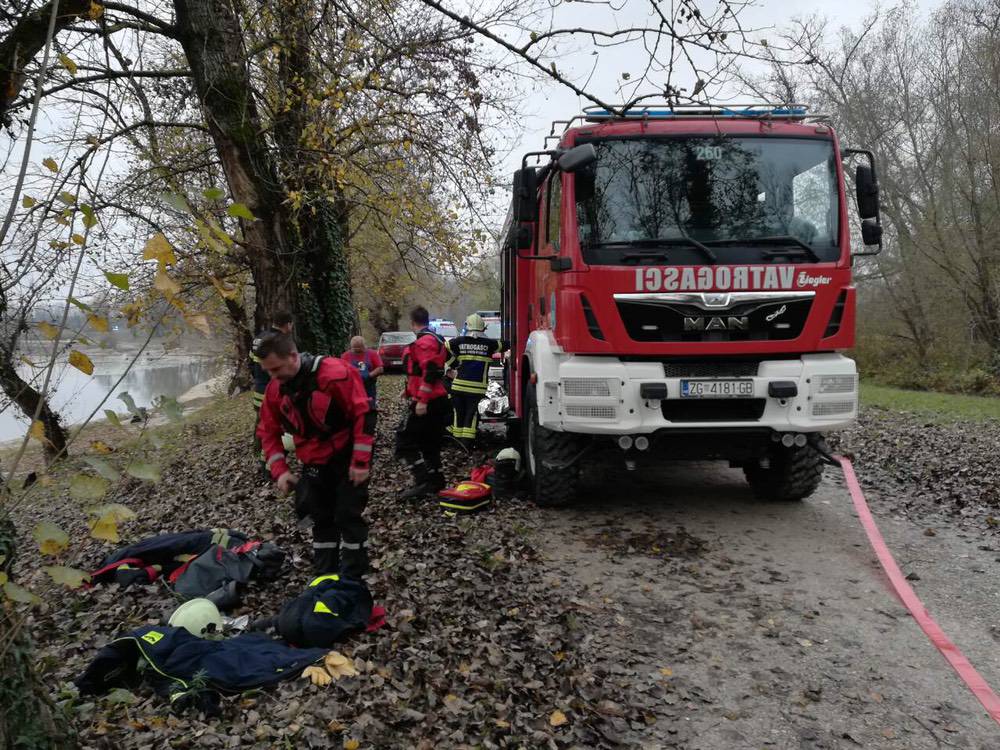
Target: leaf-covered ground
column 611, row 625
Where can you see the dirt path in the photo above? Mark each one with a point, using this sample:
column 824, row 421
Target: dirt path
column 771, row 625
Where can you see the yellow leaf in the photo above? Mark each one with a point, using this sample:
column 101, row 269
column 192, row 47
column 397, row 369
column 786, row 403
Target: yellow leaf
column 165, row 284
column 51, row 539
column 27, row 361
column 27, row 201
column 96, row 11
column 100, row 447
column 18, row 594
column 69, row 577
column 68, row 64
column 50, row 164
column 351, row 744
column 115, row 511
column 81, row 362
column 98, row 322
column 48, row 330
column 557, row 718
column 666, row 671
column 106, row 528
column 158, row 248
column 199, row 323
column 68, row 198
column 37, row 431
column 3, row 578
column 85, row 487
column 224, row 291
column 78, row 239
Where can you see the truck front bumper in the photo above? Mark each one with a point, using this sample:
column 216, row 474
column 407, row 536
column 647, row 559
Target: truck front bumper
column 607, row 396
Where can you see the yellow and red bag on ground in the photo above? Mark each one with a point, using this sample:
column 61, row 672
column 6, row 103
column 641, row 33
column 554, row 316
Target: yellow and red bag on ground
column 466, row 497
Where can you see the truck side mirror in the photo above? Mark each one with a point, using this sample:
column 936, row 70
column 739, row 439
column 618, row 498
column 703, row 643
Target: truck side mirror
column 577, row 157
column 525, row 195
column 867, row 192
column 871, row 232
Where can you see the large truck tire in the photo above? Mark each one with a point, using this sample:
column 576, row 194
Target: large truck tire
column 550, row 459
column 792, row 474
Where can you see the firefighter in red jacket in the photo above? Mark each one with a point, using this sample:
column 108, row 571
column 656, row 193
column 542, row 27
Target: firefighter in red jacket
column 322, row 402
column 419, row 435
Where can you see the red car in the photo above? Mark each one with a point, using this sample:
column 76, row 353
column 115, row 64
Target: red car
column 391, row 345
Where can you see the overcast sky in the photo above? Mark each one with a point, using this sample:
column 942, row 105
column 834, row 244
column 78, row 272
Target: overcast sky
column 553, row 102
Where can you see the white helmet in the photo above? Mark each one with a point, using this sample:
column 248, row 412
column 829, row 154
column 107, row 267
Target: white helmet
column 199, row 617
column 510, row 454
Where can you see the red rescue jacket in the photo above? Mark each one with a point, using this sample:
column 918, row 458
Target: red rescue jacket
column 324, row 408
column 423, row 361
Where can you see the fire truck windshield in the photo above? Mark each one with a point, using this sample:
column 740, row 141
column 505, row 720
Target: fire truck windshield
column 749, row 199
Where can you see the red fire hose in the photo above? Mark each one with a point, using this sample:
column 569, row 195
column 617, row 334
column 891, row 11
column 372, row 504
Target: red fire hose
column 949, row 650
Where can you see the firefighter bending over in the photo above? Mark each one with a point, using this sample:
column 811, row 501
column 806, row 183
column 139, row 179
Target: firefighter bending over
column 322, row 402
column 469, row 367
column 420, row 433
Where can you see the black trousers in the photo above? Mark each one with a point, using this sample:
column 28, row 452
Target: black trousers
column 466, row 408
column 418, row 439
column 340, row 532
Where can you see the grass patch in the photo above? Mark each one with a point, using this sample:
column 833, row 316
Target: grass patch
column 930, row 403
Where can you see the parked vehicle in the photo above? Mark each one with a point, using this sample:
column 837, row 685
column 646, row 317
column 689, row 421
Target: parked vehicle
column 677, row 285
column 444, row 328
column 391, row 345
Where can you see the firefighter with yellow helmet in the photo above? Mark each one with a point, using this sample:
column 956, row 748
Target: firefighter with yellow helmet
column 468, row 365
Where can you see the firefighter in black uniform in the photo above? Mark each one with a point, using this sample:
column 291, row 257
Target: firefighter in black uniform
column 281, row 322
column 469, row 358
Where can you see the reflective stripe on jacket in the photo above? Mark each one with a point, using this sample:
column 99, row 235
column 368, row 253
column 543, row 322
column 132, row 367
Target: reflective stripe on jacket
column 471, row 357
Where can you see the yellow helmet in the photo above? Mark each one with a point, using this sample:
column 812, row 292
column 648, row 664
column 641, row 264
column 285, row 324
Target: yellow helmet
column 475, row 322
column 199, row 617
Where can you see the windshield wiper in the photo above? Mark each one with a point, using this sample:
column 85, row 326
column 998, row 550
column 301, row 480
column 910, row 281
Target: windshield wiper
column 706, row 251
column 801, row 250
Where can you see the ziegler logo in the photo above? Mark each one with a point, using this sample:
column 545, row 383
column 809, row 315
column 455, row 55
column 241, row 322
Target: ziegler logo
column 806, row 280
column 729, row 323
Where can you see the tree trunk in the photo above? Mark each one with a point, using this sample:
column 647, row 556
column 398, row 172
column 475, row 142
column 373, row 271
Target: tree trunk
column 28, row 721
column 25, row 40
column 297, row 260
column 241, row 379
column 27, row 399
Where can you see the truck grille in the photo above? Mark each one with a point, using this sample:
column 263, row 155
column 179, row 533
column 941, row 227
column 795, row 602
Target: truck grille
column 713, row 410
column 591, row 412
column 586, row 387
column 751, row 321
column 720, row 369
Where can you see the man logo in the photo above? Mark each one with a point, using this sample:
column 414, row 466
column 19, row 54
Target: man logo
column 730, row 323
column 715, row 300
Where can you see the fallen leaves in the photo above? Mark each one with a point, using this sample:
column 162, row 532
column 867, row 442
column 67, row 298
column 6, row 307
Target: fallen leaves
column 51, row 539
column 69, row 577
column 557, row 718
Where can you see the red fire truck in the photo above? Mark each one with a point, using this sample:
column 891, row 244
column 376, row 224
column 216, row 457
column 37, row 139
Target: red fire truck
column 677, row 285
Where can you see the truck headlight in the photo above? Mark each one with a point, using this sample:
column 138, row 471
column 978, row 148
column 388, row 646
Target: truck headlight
column 837, row 383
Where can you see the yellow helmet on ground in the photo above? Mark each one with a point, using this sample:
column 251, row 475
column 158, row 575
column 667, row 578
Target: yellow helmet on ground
column 475, row 322
column 199, row 617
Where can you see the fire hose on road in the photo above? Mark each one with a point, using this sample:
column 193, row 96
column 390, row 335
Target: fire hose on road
column 975, row 682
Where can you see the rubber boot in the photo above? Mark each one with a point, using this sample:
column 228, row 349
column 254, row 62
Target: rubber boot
column 418, row 490
column 326, row 559
column 353, row 562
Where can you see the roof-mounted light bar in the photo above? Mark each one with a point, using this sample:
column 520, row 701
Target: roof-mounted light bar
column 671, row 111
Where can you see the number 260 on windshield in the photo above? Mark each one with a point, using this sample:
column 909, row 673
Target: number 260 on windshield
column 707, row 153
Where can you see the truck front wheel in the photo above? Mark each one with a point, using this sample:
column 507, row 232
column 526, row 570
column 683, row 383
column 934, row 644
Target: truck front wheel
column 551, row 460
column 791, row 474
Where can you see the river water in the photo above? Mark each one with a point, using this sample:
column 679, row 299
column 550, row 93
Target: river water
column 75, row 394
